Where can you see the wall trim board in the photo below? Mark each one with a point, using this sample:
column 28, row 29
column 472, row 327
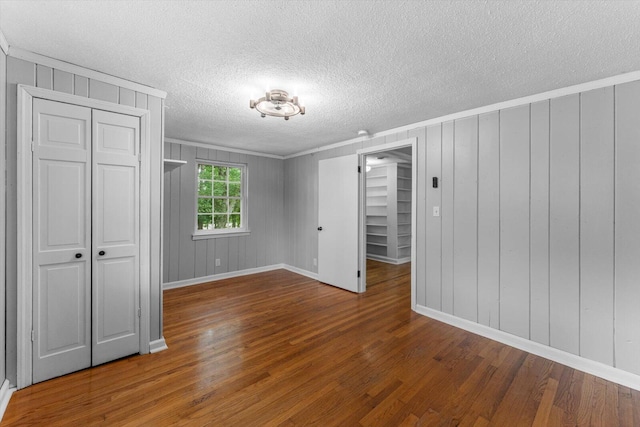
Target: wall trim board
column 156, row 346
column 389, row 260
column 36, row 58
column 239, row 273
column 222, row 148
column 598, row 369
column 4, row 45
column 530, row 99
column 5, row 396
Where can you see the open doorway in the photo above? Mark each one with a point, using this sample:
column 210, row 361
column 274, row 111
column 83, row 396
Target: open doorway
column 388, row 212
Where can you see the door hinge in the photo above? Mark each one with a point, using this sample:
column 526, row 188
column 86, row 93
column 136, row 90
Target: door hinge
column 33, row 146
column 139, row 157
column 359, row 169
column 358, row 273
column 33, row 336
column 139, row 312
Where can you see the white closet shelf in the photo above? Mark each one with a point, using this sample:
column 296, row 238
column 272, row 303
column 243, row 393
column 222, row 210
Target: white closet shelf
column 171, row 164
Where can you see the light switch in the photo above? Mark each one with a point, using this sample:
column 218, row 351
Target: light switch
column 436, row 211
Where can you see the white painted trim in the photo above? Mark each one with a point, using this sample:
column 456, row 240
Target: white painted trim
column 239, row 273
column 221, row 276
column 157, row 346
column 24, row 220
column 389, row 260
column 4, row 45
column 81, row 71
column 362, row 237
column 222, row 148
column 576, row 362
column 543, row 96
column 5, row 396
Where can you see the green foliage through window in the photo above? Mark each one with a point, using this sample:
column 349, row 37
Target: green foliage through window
column 219, row 197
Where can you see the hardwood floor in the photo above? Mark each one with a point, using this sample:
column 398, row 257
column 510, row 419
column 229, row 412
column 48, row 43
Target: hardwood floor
column 277, row 348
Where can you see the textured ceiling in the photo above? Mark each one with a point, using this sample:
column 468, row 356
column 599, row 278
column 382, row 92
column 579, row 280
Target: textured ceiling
column 371, row 65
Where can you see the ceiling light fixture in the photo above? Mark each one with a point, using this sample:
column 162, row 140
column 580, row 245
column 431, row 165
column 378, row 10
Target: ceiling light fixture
column 277, row 103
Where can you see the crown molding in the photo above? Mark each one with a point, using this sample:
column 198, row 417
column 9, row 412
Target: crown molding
column 222, row 148
column 36, row 58
column 543, row 96
column 4, row 45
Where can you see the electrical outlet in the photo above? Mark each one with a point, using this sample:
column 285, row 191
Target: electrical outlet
column 217, row 262
column 436, row 211
column 315, row 262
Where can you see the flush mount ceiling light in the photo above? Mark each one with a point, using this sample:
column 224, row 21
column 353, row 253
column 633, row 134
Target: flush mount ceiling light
column 277, row 103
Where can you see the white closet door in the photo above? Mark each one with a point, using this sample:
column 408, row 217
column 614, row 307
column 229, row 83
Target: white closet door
column 116, row 245
column 61, row 239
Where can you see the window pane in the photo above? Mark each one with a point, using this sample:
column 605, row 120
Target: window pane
column 234, row 190
column 220, row 205
column 204, row 188
column 235, row 220
column 234, row 205
column 204, row 222
column 235, row 174
column 204, row 171
column 219, row 188
column 220, row 173
column 220, row 221
column 204, row 206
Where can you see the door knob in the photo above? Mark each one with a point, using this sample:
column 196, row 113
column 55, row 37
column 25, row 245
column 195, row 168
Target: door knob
column 78, row 255
column 101, row 253
column 319, row 228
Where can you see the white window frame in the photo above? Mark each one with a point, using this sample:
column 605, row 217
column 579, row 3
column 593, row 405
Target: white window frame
column 243, row 230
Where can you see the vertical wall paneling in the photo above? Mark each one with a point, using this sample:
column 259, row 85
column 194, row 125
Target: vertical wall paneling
column 447, row 213
column 18, row 72
column 539, row 225
column 433, row 236
column 62, row 81
column 174, row 215
column 421, row 203
column 627, row 227
column 564, row 250
column 104, row 91
column 44, row 77
column 3, row 281
column 465, row 220
column 489, row 219
column 166, row 208
column 186, row 268
column 596, row 225
column 127, row 97
column 141, row 100
column 514, row 221
column 81, row 86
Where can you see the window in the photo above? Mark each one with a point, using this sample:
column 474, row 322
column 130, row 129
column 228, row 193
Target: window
column 221, row 198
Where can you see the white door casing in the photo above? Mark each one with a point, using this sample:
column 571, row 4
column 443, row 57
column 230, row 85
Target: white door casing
column 116, row 245
column 27, row 95
column 338, row 218
column 61, row 239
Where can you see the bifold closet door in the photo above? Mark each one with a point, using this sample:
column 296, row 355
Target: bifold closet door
column 61, row 239
column 116, row 230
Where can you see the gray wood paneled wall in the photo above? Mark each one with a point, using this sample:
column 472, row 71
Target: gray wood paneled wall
column 538, row 235
column 19, row 71
column 185, row 258
column 3, row 281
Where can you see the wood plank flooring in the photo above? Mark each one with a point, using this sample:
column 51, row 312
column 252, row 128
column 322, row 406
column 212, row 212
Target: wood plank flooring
column 277, row 348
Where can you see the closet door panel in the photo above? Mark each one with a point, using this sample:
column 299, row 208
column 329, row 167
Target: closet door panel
column 116, row 246
column 61, row 239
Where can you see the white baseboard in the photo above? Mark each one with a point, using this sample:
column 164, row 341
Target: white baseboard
column 394, row 261
column 5, row 396
column 598, row 369
column 215, row 277
column 158, row 345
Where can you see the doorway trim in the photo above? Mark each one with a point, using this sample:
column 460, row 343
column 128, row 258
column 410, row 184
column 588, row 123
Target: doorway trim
column 362, row 220
column 25, row 217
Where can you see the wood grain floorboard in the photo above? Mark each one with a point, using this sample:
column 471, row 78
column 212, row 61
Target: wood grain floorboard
column 279, row 349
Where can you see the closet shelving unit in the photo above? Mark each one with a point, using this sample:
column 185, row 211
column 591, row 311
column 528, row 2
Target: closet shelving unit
column 389, row 213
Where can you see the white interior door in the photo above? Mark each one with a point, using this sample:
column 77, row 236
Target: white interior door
column 61, row 239
column 338, row 222
column 116, row 231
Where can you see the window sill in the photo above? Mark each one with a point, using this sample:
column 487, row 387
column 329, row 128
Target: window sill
column 202, row 236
